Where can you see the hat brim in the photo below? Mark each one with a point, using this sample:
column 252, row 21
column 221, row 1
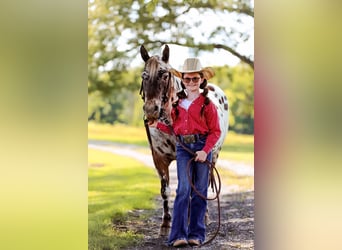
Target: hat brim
column 208, row 72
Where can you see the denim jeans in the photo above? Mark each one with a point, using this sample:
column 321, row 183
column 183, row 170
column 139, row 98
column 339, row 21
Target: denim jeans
column 192, row 227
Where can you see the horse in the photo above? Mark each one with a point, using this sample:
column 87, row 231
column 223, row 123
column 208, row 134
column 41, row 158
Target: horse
column 159, row 89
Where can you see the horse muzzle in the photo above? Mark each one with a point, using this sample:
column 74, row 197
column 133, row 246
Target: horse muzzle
column 151, row 112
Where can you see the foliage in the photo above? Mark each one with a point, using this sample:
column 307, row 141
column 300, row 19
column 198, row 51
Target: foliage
column 116, row 185
column 120, row 105
column 116, row 29
column 123, row 106
column 238, row 84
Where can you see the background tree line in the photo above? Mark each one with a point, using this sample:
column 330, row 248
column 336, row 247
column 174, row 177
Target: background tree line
column 116, row 29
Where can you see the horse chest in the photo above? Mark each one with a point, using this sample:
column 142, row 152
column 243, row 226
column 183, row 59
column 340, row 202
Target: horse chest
column 164, row 144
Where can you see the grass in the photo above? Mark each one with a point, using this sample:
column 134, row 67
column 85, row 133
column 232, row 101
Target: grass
column 117, row 133
column 240, row 183
column 116, row 185
column 236, row 147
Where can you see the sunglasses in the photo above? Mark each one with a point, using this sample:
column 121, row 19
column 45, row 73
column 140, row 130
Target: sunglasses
column 193, row 79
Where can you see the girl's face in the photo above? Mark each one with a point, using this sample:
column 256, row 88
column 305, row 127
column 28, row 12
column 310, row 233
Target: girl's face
column 192, row 81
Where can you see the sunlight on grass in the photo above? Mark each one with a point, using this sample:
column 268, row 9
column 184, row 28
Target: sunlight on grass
column 244, row 157
column 241, row 183
column 236, row 147
column 116, row 185
column 117, row 133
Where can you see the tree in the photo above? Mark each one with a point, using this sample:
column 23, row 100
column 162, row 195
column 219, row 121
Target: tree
column 116, row 29
column 238, row 84
column 118, row 104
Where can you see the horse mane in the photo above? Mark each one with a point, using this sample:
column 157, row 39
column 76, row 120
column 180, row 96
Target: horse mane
column 152, row 67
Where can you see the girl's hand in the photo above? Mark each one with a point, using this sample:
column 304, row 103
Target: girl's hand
column 201, row 156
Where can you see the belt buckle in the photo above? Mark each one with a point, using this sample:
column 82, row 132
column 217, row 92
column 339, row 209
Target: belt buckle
column 189, row 139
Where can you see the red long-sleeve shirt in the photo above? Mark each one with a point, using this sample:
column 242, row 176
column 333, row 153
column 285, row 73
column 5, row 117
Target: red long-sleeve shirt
column 191, row 122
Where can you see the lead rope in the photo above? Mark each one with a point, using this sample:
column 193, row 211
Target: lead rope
column 214, row 185
column 148, row 133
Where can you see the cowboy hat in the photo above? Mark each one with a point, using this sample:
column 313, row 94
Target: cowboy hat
column 192, row 65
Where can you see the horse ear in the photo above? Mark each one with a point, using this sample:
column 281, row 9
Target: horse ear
column 144, row 54
column 166, row 54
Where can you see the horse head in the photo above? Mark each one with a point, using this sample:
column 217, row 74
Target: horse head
column 157, row 84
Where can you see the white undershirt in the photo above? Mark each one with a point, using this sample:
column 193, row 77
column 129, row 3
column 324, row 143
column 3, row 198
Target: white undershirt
column 185, row 103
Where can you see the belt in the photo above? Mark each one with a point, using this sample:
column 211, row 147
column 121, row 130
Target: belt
column 191, row 138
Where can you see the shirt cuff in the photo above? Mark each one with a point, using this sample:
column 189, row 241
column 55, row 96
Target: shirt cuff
column 207, row 149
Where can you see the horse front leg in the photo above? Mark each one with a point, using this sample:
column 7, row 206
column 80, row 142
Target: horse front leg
column 162, row 166
column 165, row 194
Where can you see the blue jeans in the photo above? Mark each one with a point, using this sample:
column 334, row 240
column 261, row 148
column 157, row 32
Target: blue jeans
column 192, row 227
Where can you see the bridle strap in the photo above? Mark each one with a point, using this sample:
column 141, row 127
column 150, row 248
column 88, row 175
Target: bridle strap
column 141, row 92
column 165, row 95
column 148, row 133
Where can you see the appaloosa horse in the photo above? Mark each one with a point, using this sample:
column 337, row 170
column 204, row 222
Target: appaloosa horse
column 159, row 90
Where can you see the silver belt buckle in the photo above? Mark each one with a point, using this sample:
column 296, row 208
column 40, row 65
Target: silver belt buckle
column 189, row 139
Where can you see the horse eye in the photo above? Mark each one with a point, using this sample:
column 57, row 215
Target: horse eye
column 161, row 73
column 145, row 75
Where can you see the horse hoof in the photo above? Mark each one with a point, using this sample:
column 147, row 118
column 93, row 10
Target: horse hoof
column 164, row 231
column 207, row 220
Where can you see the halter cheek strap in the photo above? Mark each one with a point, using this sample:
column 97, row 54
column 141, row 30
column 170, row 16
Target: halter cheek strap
column 141, row 92
column 144, row 77
column 165, row 96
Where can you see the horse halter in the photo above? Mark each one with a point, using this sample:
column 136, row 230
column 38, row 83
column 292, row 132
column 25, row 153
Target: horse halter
column 165, row 91
column 144, row 77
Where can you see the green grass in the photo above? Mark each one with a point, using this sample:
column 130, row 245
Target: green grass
column 116, row 185
column 242, row 183
column 236, row 147
column 117, row 133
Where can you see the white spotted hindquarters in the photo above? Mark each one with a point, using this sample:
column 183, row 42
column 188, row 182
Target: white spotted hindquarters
column 220, row 100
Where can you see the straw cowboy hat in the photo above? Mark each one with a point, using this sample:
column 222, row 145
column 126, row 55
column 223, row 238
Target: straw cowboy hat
column 192, row 65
